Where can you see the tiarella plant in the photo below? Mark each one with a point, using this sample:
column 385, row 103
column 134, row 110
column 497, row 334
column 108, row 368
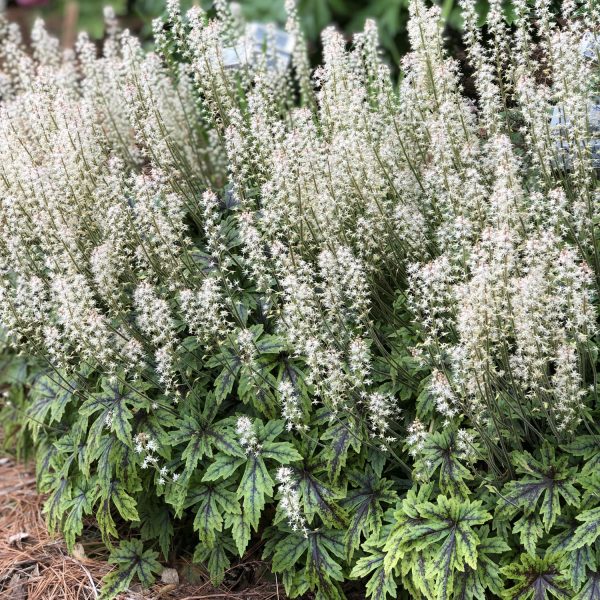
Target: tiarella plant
column 351, row 321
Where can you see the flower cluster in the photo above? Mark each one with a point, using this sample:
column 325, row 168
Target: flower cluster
column 236, row 274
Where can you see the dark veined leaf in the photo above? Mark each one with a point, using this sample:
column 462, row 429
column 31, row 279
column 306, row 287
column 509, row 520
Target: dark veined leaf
column 114, row 460
column 211, row 501
column 322, row 569
column 282, row 452
column 473, row 584
column 425, row 400
column 114, row 495
column 68, row 445
column 49, row 396
column 319, row 499
column 540, row 489
column 381, row 584
column 270, row 344
column 218, row 562
column 156, row 523
column 154, row 426
column 225, row 381
column 440, row 452
column 202, row 435
column 215, row 557
column 588, row 447
column 531, row 529
column 131, row 561
column 578, row 561
column 241, row 531
column 591, row 589
column 112, row 408
column 256, row 483
column 257, row 386
column 587, row 533
column 364, row 503
column 537, row 579
column 222, row 467
column 59, row 500
column 288, row 551
column 79, row 505
column 341, row 433
column 45, row 454
column 445, row 530
column 295, row 583
column 268, row 431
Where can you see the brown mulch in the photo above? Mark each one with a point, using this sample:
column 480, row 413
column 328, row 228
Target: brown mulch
column 35, row 565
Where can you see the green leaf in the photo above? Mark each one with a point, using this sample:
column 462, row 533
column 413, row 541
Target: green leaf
column 340, row 438
column 537, row 579
column 472, row 583
column 59, row 500
column 218, row 563
column 256, row 483
column 288, row 551
column 580, row 561
column 211, row 501
column 241, row 532
column 587, row 533
column 531, row 529
column 270, row 344
column 440, row 453
column 116, row 582
column 269, row 431
column 548, row 479
column 113, row 407
column 282, row 452
column 225, row 381
column 321, row 567
column 124, row 503
column 588, row 447
column 320, row 499
column 49, row 395
column 202, row 436
column 79, row 505
column 114, row 494
column 591, row 589
column 380, row 584
column 444, row 530
column 156, row 523
column 365, row 506
column 214, row 556
column 223, row 467
column 131, row 561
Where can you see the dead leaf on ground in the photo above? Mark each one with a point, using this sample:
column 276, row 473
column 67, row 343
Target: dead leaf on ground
column 170, row 576
column 78, row 552
column 17, row 538
column 17, row 588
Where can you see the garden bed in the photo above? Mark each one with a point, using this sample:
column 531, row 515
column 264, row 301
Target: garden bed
column 35, row 565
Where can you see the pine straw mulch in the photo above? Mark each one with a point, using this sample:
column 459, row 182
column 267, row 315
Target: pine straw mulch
column 35, row 565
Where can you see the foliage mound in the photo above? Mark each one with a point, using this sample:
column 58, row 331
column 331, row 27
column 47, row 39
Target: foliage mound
column 352, row 319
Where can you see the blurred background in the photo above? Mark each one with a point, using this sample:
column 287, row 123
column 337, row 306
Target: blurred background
column 67, row 17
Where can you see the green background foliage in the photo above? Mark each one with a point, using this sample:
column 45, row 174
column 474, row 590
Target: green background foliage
column 348, row 15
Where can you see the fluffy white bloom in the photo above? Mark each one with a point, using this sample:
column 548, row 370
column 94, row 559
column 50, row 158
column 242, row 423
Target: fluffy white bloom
column 290, row 500
column 247, row 436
